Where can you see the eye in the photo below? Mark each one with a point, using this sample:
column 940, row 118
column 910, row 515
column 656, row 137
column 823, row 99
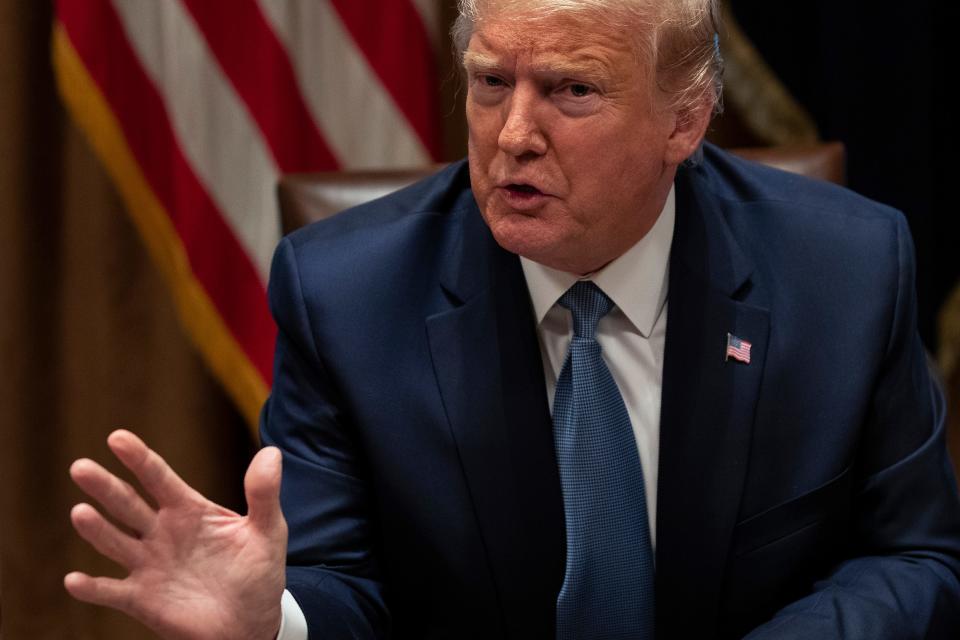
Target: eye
column 579, row 90
column 487, row 88
column 489, row 81
column 577, row 99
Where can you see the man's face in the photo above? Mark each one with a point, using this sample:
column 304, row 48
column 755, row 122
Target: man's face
column 572, row 152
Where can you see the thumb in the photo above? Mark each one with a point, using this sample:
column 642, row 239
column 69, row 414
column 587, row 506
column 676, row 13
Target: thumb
column 262, row 487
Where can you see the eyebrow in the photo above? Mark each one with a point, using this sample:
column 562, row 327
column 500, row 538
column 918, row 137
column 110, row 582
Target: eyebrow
column 553, row 65
column 583, row 67
column 476, row 61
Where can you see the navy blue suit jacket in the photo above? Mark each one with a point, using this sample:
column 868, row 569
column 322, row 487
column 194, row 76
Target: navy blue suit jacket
column 806, row 494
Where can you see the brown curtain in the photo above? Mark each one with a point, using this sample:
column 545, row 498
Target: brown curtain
column 88, row 342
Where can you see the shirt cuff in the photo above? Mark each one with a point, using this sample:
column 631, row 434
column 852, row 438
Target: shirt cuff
column 293, row 625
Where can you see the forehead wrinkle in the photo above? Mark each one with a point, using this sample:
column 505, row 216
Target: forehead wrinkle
column 550, row 45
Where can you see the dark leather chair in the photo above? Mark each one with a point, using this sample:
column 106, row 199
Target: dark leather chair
column 308, row 197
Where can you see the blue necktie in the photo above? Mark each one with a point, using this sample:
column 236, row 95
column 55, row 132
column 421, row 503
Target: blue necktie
column 607, row 589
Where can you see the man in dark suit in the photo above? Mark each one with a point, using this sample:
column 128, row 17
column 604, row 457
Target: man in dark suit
column 743, row 440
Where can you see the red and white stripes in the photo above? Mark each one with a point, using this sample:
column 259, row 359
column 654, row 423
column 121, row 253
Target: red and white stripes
column 198, row 106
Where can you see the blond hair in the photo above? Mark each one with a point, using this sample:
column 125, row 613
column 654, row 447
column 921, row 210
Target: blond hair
column 680, row 38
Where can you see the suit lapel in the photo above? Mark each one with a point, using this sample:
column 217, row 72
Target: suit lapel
column 706, row 417
column 489, row 372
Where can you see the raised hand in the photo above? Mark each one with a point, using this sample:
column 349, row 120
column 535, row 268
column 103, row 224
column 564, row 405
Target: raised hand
column 197, row 570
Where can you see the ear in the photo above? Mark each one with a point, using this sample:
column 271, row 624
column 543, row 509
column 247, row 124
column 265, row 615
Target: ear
column 690, row 126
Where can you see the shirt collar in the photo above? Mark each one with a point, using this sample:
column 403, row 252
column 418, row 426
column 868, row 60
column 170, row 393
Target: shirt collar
column 636, row 281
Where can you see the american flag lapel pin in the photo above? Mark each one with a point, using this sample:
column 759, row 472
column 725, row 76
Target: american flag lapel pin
column 737, row 349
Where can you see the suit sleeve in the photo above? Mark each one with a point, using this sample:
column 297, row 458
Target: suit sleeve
column 902, row 579
column 331, row 568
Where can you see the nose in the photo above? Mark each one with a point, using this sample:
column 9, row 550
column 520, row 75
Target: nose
column 521, row 133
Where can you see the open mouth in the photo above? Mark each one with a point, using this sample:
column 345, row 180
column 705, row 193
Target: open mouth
column 524, row 189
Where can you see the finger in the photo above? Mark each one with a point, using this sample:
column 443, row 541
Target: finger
column 118, row 498
column 151, row 470
column 262, row 487
column 107, row 592
column 105, row 537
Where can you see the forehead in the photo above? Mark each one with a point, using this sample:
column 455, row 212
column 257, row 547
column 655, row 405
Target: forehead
column 559, row 41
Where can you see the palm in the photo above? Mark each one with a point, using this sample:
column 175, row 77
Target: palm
column 203, row 560
column 197, row 570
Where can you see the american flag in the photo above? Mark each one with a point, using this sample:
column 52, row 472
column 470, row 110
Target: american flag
column 196, row 107
column 738, row 349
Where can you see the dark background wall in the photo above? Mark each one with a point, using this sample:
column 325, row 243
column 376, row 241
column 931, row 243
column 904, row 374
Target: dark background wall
column 876, row 74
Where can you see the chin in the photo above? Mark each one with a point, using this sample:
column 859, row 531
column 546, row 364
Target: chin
column 539, row 235
column 528, row 239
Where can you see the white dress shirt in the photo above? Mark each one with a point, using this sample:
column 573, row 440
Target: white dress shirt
column 631, row 336
column 631, row 339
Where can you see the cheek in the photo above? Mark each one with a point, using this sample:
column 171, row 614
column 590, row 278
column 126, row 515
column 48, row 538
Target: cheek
column 479, row 183
column 483, row 127
column 610, row 167
column 589, row 175
column 482, row 148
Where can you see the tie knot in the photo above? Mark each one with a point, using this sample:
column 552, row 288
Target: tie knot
column 588, row 304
